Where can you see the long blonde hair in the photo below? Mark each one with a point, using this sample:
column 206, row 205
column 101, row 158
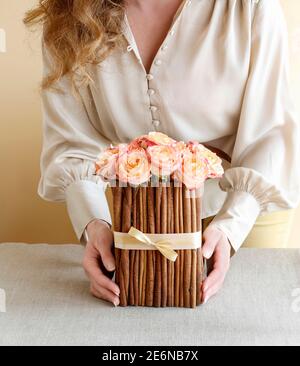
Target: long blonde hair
column 77, row 33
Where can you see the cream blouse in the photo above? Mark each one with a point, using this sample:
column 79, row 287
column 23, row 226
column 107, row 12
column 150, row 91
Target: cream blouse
column 219, row 77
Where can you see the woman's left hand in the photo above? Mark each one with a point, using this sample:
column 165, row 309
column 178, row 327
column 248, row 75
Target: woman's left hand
column 217, row 247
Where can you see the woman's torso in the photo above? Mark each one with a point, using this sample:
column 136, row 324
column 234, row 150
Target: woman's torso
column 195, row 86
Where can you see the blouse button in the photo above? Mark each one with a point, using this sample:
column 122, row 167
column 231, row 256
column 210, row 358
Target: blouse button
column 153, row 108
column 156, row 123
column 158, row 62
column 129, row 48
column 149, row 76
column 172, row 32
column 189, row 3
column 164, row 47
column 151, row 91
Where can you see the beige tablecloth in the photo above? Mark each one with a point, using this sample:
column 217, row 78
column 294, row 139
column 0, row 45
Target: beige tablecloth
column 48, row 303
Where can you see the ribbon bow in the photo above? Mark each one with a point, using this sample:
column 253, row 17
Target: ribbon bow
column 164, row 246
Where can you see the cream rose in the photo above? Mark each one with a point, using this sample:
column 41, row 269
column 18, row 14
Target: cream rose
column 164, row 159
column 106, row 163
column 193, row 170
column 159, row 138
column 140, row 142
column 133, row 166
column 215, row 168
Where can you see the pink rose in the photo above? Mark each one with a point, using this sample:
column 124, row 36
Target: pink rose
column 164, row 159
column 158, row 138
column 215, row 168
column 194, row 169
column 133, row 166
column 140, row 142
column 106, row 163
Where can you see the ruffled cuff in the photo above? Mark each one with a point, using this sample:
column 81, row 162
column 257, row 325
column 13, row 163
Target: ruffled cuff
column 86, row 201
column 237, row 217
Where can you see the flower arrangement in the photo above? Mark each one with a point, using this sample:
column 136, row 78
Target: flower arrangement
column 158, row 155
column 157, row 187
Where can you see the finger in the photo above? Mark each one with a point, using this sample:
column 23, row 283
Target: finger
column 104, row 294
column 215, row 279
column 221, row 258
column 95, row 274
column 211, row 238
column 105, row 249
column 217, row 275
column 211, row 291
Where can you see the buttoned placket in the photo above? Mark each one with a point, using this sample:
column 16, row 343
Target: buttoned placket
column 157, row 63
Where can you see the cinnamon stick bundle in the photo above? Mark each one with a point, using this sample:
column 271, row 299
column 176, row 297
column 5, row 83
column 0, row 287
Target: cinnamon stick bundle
column 146, row 277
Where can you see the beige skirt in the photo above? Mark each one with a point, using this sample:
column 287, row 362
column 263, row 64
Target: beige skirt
column 269, row 231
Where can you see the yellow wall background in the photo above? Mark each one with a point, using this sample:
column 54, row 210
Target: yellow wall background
column 24, row 217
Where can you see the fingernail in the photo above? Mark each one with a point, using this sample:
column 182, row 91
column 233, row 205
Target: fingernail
column 117, row 292
column 207, row 255
column 116, row 303
column 111, row 267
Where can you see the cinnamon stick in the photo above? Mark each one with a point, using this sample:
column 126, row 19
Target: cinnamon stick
column 150, row 253
column 123, row 296
column 198, row 210
column 177, row 285
column 199, row 253
column 117, row 219
column 170, row 229
column 193, row 286
column 176, row 193
column 181, row 252
column 158, row 197
column 142, row 274
column 136, row 267
column 145, row 230
column 142, row 252
column 187, row 252
column 136, row 271
column 157, row 278
column 134, row 206
column 126, row 223
column 181, row 223
column 117, row 207
column 176, row 209
column 131, row 277
column 164, row 226
column 193, row 211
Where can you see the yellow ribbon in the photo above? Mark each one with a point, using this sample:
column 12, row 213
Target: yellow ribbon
column 165, row 243
column 163, row 246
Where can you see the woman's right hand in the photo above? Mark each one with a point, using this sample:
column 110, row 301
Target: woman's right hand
column 98, row 253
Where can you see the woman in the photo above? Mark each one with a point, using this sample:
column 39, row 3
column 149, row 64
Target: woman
column 208, row 70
